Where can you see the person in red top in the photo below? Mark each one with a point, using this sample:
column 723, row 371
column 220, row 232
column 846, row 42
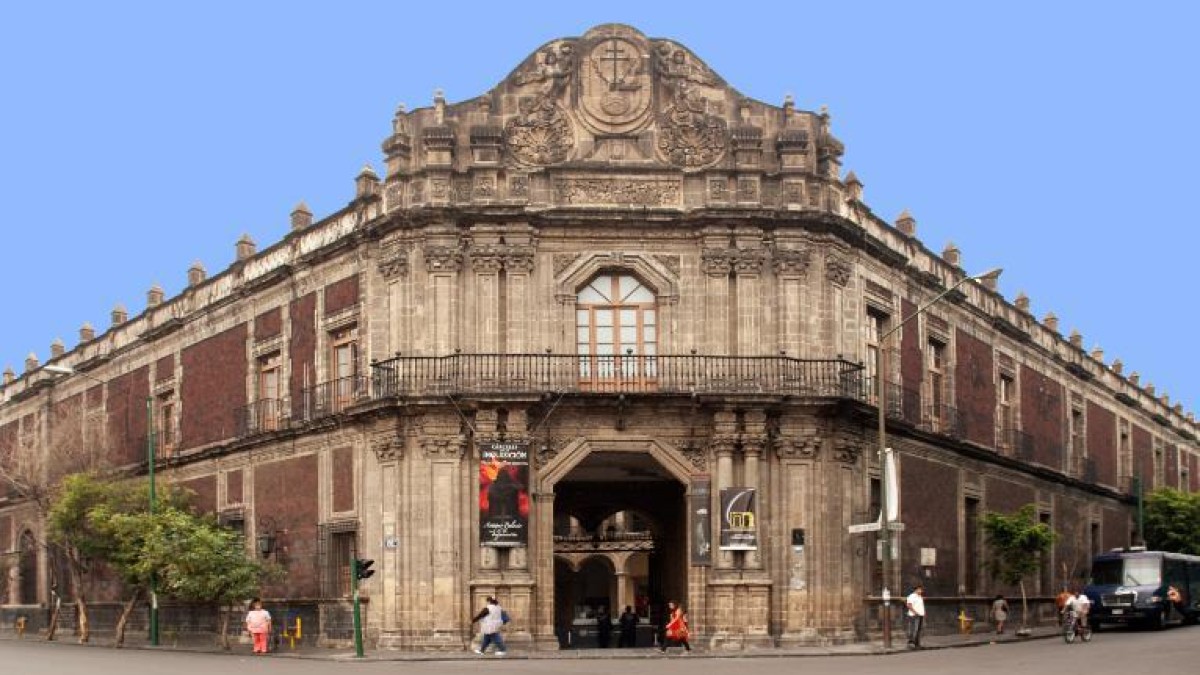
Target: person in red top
column 677, row 628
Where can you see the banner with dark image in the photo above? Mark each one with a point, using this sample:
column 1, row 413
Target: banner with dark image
column 739, row 531
column 504, row 493
column 700, row 508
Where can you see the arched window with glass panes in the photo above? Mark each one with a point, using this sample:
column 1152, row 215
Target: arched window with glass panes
column 616, row 329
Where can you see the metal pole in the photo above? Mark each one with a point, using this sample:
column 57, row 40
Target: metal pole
column 885, row 536
column 1141, row 512
column 358, row 642
column 150, row 465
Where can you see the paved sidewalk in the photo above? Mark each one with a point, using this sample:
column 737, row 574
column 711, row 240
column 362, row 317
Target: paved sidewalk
column 930, row 642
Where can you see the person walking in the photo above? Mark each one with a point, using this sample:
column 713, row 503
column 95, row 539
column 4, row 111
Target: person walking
column 491, row 619
column 628, row 622
column 258, row 624
column 677, row 628
column 915, row 606
column 999, row 612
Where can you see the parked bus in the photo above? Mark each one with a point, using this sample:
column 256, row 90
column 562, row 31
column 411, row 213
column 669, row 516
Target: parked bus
column 1153, row 588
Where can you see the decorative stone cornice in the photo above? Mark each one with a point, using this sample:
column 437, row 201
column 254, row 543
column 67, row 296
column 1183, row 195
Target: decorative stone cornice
column 388, row 449
column 797, row 447
column 443, row 447
column 790, row 262
column 837, row 271
column 718, row 262
column 444, row 259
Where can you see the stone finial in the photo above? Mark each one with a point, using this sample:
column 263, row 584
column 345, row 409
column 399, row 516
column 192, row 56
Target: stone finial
column 119, row 314
column 1076, row 338
column 1166, row 399
column 1178, row 408
column 1149, row 388
column 991, row 282
column 1050, row 321
column 439, row 106
column 9, row 375
column 196, row 274
column 245, row 247
column 952, row 255
column 367, row 182
column 154, row 296
column 1117, row 366
column 1098, row 353
column 906, row 223
column 31, row 362
column 1134, row 377
column 854, row 187
column 1191, row 416
column 301, row 217
column 789, row 107
column 398, row 124
column 57, row 348
column 86, row 332
column 1022, row 302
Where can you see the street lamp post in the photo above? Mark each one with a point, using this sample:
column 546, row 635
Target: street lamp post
column 881, row 402
column 67, row 370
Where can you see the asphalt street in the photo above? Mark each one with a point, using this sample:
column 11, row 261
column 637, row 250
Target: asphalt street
column 1130, row 652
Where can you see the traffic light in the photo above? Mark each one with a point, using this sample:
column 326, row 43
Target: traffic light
column 362, row 568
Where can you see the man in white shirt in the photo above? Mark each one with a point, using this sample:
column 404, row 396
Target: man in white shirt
column 1079, row 603
column 915, row 606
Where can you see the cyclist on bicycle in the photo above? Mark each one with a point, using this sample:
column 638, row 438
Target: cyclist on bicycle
column 1078, row 604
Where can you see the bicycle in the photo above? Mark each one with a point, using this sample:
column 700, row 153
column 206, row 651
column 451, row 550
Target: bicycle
column 1073, row 627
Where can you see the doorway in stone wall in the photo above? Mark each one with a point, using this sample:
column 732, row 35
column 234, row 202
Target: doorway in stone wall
column 619, row 540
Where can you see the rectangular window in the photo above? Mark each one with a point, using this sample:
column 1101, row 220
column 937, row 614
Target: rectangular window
column 937, row 384
column 342, row 549
column 1078, row 447
column 343, row 368
column 1005, row 419
column 874, row 329
column 1124, row 456
column 267, row 408
column 166, row 424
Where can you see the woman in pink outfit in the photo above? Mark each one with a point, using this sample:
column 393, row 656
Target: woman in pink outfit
column 258, row 623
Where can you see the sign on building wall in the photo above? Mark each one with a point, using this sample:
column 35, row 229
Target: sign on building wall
column 738, row 527
column 504, row 493
column 700, row 507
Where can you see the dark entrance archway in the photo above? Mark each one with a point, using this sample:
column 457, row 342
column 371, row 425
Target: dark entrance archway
column 619, row 540
column 27, row 567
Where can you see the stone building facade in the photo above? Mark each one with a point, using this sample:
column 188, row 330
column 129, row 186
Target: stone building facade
column 662, row 292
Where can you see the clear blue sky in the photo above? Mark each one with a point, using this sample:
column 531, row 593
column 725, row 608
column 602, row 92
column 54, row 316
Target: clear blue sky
column 1057, row 140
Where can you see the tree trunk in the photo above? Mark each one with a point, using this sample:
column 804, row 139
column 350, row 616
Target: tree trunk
column 126, row 610
column 52, row 628
column 1024, row 608
column 224, row 624
column 85, row 632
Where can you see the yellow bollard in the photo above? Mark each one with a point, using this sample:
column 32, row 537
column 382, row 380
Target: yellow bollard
column 965, row 623
column 21, row 627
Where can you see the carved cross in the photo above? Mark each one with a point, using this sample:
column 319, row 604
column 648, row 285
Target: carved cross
column 616, row 56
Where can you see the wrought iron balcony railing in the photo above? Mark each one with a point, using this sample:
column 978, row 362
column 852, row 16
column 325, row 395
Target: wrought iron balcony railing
column 615, row 374
column 335, row 396
column 263, row 415
column 943, row 419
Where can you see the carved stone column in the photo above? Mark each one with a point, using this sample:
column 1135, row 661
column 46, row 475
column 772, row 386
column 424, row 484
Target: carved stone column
column 754, row 441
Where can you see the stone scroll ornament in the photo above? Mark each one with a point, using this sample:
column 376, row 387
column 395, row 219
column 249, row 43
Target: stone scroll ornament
column 688, row 135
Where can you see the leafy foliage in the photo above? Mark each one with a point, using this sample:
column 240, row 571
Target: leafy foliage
column 1016, row 544
column 1172, row 520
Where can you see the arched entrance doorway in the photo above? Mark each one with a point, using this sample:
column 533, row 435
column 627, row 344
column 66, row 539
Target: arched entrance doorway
column 27, row 566
column 620, row 540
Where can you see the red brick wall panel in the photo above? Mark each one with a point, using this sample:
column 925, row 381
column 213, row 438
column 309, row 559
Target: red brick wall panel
column 286, row 492
column 911, row 364
column 343, row 479
column 975, row 389
column 127, row 416
column 1194, row 473
column 929, row 510
column 302, row 349
column 1042, row 417
column 66, row 437
column 1070, row 546
column 1102, row 443
column 1171, row 467
column 268, row 324
column 1005, row 497
column 204, row 493
column 1115, row 529
column 164, row 368
column 233, row 486
column 213, row 387
column 1143, row 456
column 341, row 294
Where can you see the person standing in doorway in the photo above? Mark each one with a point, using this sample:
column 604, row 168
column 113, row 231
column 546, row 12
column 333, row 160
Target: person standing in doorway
column 677, row 628
column 603, row 627
column 491, row 618
column 628, row 622
column 258, row 624
column 915, row 606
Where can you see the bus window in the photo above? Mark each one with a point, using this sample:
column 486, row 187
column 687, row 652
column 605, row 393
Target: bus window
column 1142, row 572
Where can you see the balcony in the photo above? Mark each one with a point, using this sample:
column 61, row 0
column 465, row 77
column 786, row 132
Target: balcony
column 943, row 419
column 262, row 416
column 333, row 397
column 474, row 374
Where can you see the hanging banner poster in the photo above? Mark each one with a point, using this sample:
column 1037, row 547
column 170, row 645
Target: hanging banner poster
column 700, row 508
column 739, row 532
column 504, row 493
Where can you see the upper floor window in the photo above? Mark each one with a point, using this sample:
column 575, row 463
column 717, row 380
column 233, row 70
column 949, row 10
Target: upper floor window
column 268, row 408
column 166, row 423
column 936, row 370
column 1005, row 414
column 616, row 330
column 343, row 345
column 875, row 327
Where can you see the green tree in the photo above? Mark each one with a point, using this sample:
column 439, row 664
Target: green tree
column 1172, row 521
column 1016, row 544
column 197, row 560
